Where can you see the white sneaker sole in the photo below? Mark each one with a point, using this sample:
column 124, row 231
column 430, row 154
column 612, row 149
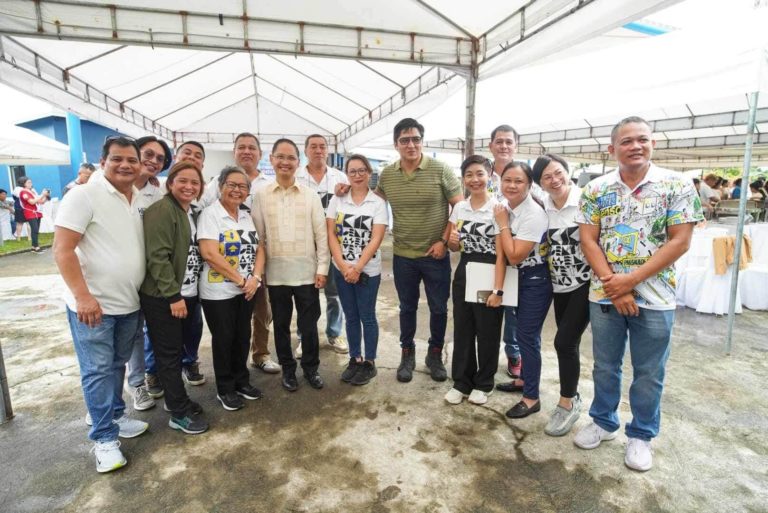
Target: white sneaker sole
column 178, row 427
column 195, row 383
column 604, row 438
column 104, row 470
column 228, row 408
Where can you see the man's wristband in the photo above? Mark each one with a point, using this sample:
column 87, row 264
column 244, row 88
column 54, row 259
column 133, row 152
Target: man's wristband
column 445, row 242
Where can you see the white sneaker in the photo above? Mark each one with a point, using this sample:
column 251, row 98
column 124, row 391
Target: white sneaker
column 88, row 419
column 561, row 421
column 108, row 456
column 268, row 366
column 338, row 344
column 130, row 428
column 454, row 396
column 591, row 436
column 141, row 398
column 639, row 455
column 479, row 397
column 298, row 351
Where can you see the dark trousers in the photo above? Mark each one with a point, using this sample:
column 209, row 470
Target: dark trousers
column 229, row 321
column 307, row 299
column 476, row 333
column 572, row 317
column 166, row 332
column 193, row 331
column 534, row 295
column 436, row 274
column 34, row 229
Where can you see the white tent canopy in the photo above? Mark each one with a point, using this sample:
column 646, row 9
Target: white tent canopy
column 19, row 146
column 204, row 70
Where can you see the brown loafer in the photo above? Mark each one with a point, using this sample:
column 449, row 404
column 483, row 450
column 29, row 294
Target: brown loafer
column 521, row 410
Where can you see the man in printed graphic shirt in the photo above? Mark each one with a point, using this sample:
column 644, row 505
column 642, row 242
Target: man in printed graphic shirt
column 634, row 223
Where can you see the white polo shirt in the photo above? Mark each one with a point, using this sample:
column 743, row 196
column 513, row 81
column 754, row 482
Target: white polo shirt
column 354, row 227
column 111, row 251
column 528, row 222
column 148, row 195
column 326, row 186
column 477, row 230
column 567, row 265
column 238, row 243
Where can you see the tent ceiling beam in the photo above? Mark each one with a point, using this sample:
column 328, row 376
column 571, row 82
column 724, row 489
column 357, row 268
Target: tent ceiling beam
column 382, row 75
column 423, row 84
column 445, row 18
column 212, row 93
column 17, row 57
column 324, row 86
column 211, row 31
column 95, row 57
column 171, row 81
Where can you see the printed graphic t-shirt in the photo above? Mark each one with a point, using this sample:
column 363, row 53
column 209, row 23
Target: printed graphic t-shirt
column 354, row 227
column 477, row 230
column 567, row 265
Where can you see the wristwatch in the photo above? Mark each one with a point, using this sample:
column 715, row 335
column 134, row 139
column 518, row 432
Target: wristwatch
column 498, row 292
column 445, row 242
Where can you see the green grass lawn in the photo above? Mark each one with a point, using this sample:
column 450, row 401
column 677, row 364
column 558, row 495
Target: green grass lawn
column 11, row 246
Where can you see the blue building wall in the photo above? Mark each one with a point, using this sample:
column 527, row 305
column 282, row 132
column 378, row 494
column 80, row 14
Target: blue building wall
column 56, row 177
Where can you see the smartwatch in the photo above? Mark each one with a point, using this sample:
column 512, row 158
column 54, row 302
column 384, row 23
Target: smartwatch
column 498, row 292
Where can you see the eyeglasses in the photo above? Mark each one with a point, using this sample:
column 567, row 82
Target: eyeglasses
column 151, row 155
column 232, row 186
column 287, row 158
column 111, row 138
column 403, row 141
column 358, row 171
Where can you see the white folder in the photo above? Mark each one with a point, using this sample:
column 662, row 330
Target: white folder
column 480, row 281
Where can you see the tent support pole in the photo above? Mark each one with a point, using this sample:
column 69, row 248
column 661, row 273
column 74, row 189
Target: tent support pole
column 6, row 412
column 469, row 128
column 742, row 212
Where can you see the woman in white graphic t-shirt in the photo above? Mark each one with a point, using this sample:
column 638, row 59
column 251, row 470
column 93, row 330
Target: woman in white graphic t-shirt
column 356, row 223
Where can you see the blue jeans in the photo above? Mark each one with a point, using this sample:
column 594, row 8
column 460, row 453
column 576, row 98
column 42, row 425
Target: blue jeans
column 102, row 352
column 359, row 303
column 436, row 274
column 511, row 349
column 142, row 358
column 192, row 328
column 534, row 295
column 333, row 316
column 649, row 337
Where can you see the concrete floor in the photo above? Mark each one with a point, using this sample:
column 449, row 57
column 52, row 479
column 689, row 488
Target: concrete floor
column 385, row 447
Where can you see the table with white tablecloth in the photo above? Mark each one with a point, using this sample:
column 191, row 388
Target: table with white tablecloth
column 701, row 288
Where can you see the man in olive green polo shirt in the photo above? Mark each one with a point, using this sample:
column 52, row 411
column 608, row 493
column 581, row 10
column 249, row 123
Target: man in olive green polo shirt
column 420, row 189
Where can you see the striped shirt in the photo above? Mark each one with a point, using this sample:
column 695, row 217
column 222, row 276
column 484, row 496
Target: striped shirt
column 419, row 203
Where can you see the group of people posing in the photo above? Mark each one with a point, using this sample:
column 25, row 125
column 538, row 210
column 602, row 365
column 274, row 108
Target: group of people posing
column 246, row 250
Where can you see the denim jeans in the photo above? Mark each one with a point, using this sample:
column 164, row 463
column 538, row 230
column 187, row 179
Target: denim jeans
column 192, row 327
column 333, row 313
column 511, row 348
column 101, row 353
column 436, row 274
column 139, row 363
column 649, row 344
column 534, row 295
column 359, row 303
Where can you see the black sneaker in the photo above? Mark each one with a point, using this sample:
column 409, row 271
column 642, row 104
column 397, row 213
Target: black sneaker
column 194, row 407
column 434, row 362
column 314, row 379
column 230, row 401
column 365, row 373
column 290, row 383
column 249, row 392
column 350, row 371
column 189, row 425
column 192, row 375
column 407, row 364
column 154, row 388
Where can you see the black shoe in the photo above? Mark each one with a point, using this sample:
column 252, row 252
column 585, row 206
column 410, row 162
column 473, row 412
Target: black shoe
column 521, row 410
column 315, row 381
column 249, row 392
column 290, row 383
column 434, row 362
column 194, row 407
column 192, row 376
column 407, row 364
column 509, row 387
column 189, row 425
column 230, row 401
column 366, row 371
column 350, row 371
